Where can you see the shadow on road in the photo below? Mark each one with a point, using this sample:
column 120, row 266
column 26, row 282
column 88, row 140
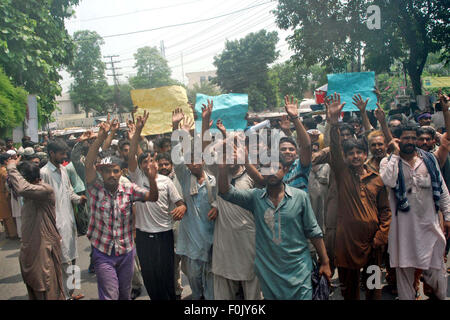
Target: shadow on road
column 13, row 279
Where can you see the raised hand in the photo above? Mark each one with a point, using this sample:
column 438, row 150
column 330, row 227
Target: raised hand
column 221, row 127
column 12, row 160
column 104, row 128
column 334, row 107
column 378, row 93
column 379, row 113
column 141, row 120
column 177, row 116
column 445, row 102
column 291, row 107
column 206, row 113
column 115, row 125
column 285, row 124
column 188, row 124
column 150, row 170
column 131, row 129
column 85, row 136
column 360, row 103
column 394, row 145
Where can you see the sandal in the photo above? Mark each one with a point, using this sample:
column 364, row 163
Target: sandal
column 77, row 297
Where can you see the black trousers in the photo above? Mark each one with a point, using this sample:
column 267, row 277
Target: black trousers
column 155, row 252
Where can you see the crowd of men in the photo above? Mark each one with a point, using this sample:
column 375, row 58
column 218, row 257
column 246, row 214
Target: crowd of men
column 343, row 195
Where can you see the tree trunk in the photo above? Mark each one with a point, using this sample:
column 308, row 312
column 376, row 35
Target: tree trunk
column 415, row 82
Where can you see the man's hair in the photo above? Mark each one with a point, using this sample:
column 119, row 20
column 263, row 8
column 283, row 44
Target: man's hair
column 396, row 117
column 145, row 155
column 27, row 144
column 354, row 120
column 29, row 170
column 25, row 138
column 164, row 156
column 4, row 157
column 397, row 132
column 288, row 139
column 351, row 143
column 123, row 143
column 309, row 123
column 427, row 130
column 374, row 134
column 7, row 139
column 345, row 126
column 438, row 106
column 57, row 146
column 161, row 141
column 31, row 157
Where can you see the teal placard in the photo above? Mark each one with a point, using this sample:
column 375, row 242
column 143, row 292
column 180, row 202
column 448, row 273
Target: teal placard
column 349, row 84
column 231, row 108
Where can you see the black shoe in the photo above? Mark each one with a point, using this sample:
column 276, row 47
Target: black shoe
column 135, row 293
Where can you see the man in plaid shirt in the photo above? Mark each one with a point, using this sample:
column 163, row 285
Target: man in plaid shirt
column 111, row 225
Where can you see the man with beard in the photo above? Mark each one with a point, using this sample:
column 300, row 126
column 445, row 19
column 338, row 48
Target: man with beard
column 377, row 147
column 363, row 210
column 154, row 224
column 54, row 174
column 284, row 220
column 416, row 240
column 111, row 225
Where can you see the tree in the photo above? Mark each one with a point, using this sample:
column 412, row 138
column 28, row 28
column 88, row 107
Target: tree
column 296, row 79
column 206, row 87
column 152, row 69
column 125, row 102
column 88, row 70
column 243, row 67
column 34, row 46
column 13, row 104
column 410, row 30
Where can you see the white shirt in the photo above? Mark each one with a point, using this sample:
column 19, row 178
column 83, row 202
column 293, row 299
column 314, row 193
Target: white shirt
column 416, row 239
column 65, row 219
column 153, row 217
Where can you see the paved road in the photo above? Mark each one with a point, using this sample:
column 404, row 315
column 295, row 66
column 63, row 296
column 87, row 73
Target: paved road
column 13, row 288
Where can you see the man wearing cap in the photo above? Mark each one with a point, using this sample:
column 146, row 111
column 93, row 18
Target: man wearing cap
column 424, row 119
column 111, row 225
column 54, row 174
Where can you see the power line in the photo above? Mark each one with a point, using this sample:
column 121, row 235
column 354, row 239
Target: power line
column 133, row 12
column 185, row 23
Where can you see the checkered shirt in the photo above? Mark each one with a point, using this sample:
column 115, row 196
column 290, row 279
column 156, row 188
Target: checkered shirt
column 111, row 223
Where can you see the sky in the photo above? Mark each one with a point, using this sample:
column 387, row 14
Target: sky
column 197, row 42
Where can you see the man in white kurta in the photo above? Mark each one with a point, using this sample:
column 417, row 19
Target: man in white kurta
column 54, row 174
column 416, row 239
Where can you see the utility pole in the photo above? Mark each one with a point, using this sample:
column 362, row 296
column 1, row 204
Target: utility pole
column 162, row 49
column 113, row 68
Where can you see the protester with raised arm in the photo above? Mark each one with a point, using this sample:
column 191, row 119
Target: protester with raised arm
column 154, row 224
column 111, row 224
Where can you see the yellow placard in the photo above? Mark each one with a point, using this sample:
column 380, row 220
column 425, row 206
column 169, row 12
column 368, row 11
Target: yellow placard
column 160, row 102
column 436, row 82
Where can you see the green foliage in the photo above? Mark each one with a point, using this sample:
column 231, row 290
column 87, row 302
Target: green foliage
column 205, row 87
column 296, row 79
column 34, row 46
column 13, row 103
column 89, row 89
column 152, row 70
column 243, row 68
column 125, row 102
column 410, row 30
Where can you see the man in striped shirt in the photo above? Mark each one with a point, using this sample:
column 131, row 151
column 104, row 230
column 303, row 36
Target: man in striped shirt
column 111, row 226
